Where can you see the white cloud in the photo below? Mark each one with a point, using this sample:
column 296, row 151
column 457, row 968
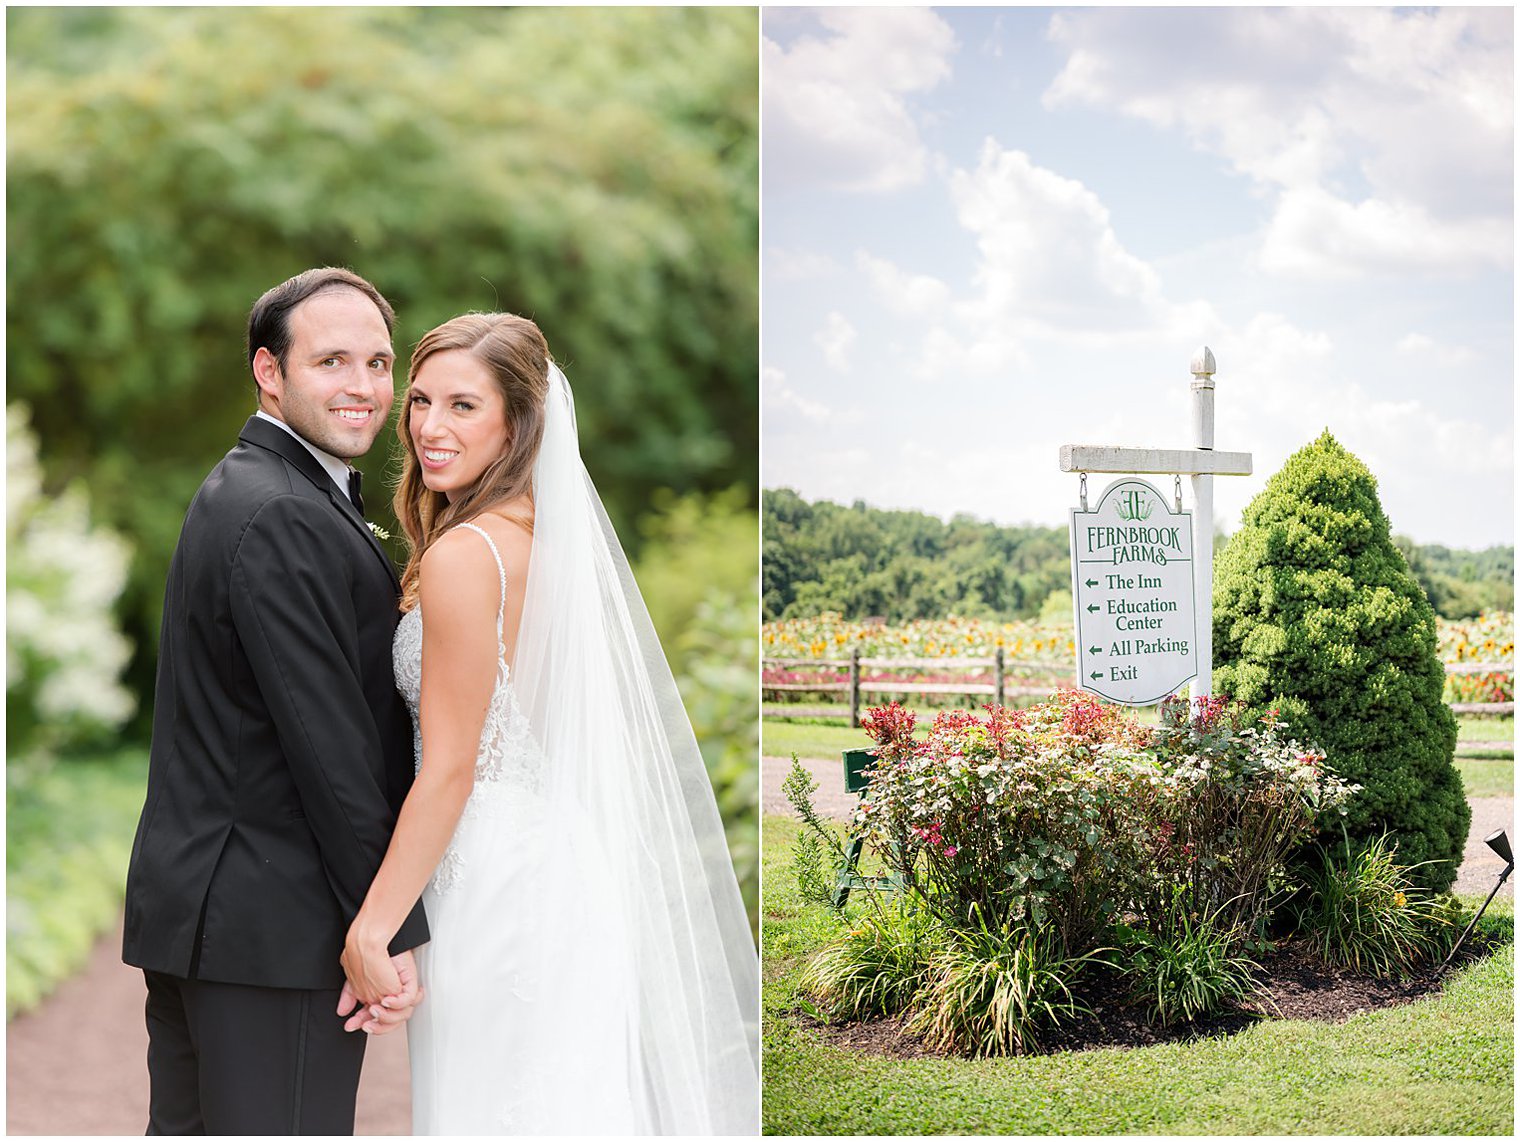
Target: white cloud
column 905, row 294
column 1280, row 386
column 1314, row 234
column 1383, row 138
column 1049, row 254
column 836, row 105
column 779, row 396
column 1419, row 345
column 1050, row 267
column 835, row 339
column 789, row 265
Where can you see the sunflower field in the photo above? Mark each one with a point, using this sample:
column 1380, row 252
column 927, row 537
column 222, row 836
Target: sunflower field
column 1486, row 639
column 1039, row 654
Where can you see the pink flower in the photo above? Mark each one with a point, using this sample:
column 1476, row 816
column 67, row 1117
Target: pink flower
column 951, row 850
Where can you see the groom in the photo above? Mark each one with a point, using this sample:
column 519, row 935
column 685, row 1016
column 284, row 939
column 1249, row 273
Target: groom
column 281, row 751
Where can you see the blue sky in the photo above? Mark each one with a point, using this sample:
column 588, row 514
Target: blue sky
column 988, row 232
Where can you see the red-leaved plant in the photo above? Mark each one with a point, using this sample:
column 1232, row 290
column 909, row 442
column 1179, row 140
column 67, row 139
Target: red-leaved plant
column 1073, row 815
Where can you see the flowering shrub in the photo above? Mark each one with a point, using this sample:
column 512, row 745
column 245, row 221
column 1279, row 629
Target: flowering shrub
column 1073, row 815
column 1233, row 802
column 63, row 652
column 977, row 819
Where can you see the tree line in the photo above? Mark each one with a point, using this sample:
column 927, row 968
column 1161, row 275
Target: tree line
column 902, row 565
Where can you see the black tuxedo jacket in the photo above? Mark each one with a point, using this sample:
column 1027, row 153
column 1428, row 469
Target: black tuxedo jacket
column 281, row 750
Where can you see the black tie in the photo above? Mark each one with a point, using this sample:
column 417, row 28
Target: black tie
column 356, row 478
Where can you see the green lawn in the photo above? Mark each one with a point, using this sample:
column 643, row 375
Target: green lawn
column 805, row 739
column 1486, row 729
column 1443, row 1065
column 1487, row 777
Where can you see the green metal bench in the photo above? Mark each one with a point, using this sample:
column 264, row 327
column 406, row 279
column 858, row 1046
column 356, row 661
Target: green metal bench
column 858, row 781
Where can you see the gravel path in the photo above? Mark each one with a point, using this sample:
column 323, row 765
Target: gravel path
column 78, row 1063
column 1480, row 867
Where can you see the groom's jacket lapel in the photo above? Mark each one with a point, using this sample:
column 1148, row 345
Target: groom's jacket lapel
column 262, row 434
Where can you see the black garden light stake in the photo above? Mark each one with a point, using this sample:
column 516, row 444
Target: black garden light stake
column 1499, row 842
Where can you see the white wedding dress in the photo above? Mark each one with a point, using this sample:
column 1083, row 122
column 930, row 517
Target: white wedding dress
column 591, row 968
column 491, row 1053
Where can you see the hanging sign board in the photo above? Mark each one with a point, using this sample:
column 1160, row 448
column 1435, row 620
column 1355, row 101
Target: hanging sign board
column 1132, row 579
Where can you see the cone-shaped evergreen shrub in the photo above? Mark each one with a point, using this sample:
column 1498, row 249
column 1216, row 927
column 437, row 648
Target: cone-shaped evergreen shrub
column 1317, row 615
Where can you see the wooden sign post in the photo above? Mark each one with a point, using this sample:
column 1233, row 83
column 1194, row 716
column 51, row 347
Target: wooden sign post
column 1090, row 588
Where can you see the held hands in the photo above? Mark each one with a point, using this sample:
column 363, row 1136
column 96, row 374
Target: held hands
column 391, row 983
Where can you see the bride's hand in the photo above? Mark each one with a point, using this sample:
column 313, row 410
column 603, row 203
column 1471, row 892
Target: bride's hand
column 393, row 1010
column 367, row 964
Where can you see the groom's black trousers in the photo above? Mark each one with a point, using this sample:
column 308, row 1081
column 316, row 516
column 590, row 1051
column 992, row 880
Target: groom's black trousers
column 224, row 1058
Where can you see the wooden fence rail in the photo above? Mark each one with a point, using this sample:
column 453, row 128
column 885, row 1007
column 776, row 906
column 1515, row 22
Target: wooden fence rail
column 999, row 689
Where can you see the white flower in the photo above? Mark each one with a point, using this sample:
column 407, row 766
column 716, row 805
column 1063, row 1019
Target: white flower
column 63, row 576
column 380, row 532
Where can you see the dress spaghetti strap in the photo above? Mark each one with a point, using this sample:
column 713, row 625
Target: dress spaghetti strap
column 501, row 570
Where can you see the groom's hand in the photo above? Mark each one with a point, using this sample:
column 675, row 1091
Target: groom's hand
column 392, row 1010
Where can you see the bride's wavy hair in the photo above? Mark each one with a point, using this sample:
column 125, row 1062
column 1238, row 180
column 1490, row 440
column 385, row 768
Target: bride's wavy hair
column 514, row 350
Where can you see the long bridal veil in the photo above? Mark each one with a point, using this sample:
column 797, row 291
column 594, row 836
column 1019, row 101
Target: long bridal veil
column 654, row 1027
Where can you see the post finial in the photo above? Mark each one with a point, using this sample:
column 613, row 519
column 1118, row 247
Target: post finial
column 1202, row 364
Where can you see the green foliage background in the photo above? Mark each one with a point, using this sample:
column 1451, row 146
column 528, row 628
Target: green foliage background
column 862, row 561
column 697, row 574
column 1317, row 615
column 593, row 168
column 68, row 834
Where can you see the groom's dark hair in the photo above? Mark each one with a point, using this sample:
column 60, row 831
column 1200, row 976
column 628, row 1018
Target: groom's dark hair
column 269, row 319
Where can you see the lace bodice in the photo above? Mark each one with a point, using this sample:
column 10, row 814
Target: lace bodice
column 509, row 762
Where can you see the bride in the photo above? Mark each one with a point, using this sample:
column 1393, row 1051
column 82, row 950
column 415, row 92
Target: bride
column 591, row 969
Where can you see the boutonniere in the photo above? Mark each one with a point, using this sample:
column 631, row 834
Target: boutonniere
column 380, row 532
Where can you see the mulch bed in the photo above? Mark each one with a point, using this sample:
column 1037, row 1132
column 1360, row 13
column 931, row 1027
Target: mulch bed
column 1300, row 987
